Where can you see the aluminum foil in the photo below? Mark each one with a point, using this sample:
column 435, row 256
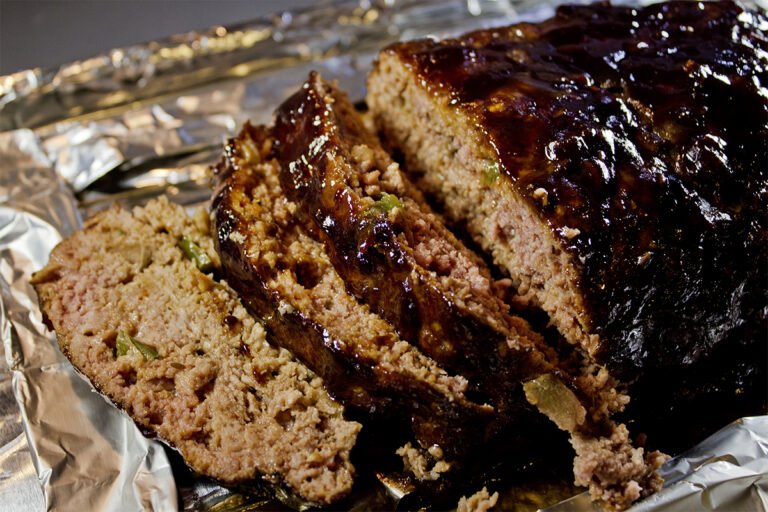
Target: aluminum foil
column 148, row 120
column 76, row 442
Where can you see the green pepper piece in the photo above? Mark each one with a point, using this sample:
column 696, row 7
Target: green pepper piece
column 387, row 203
column 491, row 173
column 123, row 344
column 147, row 351
column 195, row 253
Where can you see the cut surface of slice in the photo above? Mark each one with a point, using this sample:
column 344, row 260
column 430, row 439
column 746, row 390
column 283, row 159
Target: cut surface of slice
column 174, row 348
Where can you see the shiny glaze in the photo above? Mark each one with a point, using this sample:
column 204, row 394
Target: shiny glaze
column 648, row 130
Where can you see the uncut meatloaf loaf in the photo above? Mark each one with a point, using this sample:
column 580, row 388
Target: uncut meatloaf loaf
column 612, row 160
column 177, row 351
column 398, row 257
column 285, row 277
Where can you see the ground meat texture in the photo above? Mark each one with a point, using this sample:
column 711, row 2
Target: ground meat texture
column 286, row 278
column 610, row 159
column 397, row 256
column 179, row 353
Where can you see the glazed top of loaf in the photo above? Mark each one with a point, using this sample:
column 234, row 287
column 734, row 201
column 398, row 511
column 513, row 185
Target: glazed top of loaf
column 647, row 129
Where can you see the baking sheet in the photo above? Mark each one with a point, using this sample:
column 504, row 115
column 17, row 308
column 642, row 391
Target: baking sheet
column 148, row 120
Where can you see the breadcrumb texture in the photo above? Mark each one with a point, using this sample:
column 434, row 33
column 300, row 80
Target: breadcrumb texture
column 198, row 370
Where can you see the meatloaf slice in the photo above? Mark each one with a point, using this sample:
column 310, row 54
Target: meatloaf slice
column 286, row 278
column 610, row 159
column 179, row 353
column 397, row 256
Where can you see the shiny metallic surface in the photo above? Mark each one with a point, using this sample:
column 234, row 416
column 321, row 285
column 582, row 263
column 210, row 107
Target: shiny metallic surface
column 148, row 120
column 142, row 72
column 86, row 453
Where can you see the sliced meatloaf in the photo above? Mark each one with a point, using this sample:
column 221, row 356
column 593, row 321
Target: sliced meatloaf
column 135, row 311
column 610, row 159
column 397, row 257
column 286, row 278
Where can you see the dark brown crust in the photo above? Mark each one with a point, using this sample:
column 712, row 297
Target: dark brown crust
column 648, row 130
column 374, row 253
column 449, row 421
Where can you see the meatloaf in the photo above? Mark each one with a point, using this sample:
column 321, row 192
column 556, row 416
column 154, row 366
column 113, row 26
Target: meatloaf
column 135, row 311
column 612, row 161
column 398, row 257
column 286, row 278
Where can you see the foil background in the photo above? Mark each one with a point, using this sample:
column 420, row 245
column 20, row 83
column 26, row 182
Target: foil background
column 148, row 120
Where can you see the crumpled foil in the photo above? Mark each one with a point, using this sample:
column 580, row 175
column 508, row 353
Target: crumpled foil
column 77, row 442
column 147, row 120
